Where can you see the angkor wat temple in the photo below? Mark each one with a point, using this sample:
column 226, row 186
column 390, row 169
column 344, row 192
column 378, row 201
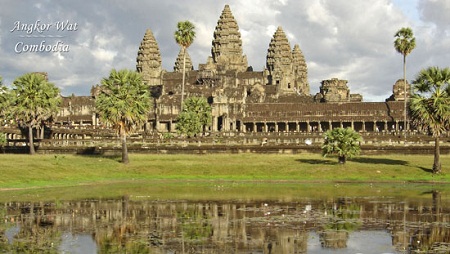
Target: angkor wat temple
column 276, row 99
column 249, row 106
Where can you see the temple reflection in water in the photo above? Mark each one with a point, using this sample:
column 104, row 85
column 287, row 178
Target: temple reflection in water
column 137, row 225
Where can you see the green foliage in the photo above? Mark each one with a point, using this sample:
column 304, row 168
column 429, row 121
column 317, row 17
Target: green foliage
column 4, row 99
column 124, row 102
column 194, row 225
column 430, row 105
column 2, row 139
column 33, row 100
column 405, row 41
column 184, row 36
column 4, row 103
column 196, row 115
column 185, row 33
column 168, row 135
column 404, row 44
column 345, row 142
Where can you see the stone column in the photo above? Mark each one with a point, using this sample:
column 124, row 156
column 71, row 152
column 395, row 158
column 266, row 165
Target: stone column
column 226, row 123
column 214, row 123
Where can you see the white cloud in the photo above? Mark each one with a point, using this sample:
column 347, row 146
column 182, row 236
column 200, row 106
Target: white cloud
column 436, row 12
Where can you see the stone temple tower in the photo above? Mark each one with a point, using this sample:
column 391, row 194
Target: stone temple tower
column 279, row 62
column 300, row 71
column 178, row 67
column 226, row 49
column 287, row 69
column 148, row 61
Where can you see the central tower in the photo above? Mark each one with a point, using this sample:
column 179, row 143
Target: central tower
column 227, row 44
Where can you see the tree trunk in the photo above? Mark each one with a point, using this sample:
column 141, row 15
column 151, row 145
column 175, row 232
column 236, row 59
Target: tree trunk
column 342, row 159
column 30, row 140
column 406, row 97
column 437, row 153
column 42, row 131
column 123, row 138
column 184, row 74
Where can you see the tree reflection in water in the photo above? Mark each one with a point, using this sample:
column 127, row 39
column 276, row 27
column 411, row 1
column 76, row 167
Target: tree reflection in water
column 135, row 225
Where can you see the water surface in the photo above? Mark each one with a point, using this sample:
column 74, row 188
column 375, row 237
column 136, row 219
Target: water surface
column 228, row 217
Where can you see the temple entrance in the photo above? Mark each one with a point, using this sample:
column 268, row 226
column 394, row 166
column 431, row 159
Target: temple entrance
column 220, row 121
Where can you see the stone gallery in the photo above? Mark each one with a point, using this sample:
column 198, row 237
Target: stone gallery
column 277, row 99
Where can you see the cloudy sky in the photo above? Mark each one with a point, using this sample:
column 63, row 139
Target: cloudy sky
column 346, row 39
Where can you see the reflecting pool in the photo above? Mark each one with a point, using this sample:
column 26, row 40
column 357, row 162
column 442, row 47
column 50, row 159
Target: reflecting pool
column 228, row 217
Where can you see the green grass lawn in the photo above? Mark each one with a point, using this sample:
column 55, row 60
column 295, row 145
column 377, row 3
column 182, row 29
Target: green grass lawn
column 25, row 171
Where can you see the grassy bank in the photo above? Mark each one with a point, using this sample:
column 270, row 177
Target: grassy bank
column 24, row 171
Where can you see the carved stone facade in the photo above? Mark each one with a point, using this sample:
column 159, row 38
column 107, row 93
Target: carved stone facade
column 179, row 62
column 275, row 99
column 335, row 90
column 287, row 69
column 398, row 91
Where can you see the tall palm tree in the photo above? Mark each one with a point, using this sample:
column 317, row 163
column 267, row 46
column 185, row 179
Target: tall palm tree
column 430, row 106
column 124, row 102
column 33, row 101
column 184, row 37
column 4, row 98
column 404, row 44
column 345, row 142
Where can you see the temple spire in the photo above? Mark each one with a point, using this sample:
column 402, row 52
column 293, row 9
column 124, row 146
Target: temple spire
column 300, row 71
column 148, row 61
column 179, row 62
column 279, row 56
column 279, row 62
column 227, row 44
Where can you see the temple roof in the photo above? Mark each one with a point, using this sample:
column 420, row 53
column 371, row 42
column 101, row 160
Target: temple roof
column 351, row 111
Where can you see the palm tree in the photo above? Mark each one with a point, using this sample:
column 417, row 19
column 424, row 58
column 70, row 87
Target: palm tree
column 430, row 106
column 184, row 37
column 124, row 102
column 345, row 142
column 4, row 99
column 33, row 101
column 404, row 44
